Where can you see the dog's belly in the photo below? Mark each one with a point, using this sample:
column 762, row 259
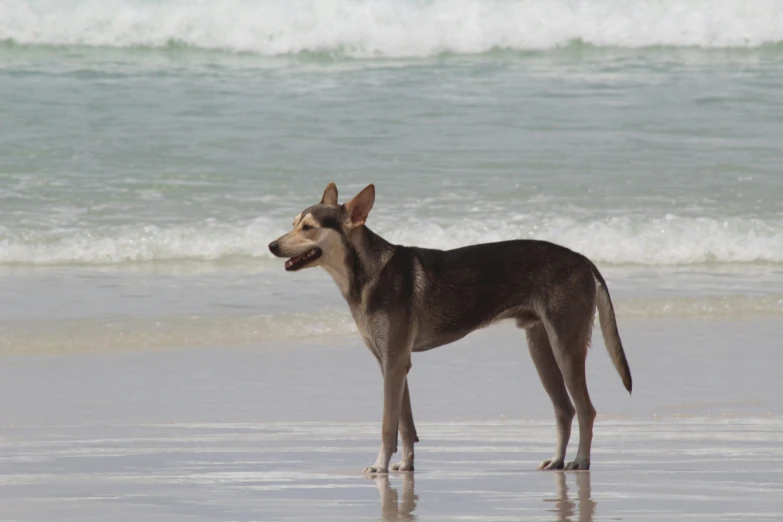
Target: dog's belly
column 428, row 342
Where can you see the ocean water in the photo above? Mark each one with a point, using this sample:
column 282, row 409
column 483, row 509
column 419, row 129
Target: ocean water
column 150, row 150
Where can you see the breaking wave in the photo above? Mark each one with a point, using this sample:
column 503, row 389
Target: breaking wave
column 666, row 240
column 391, row 28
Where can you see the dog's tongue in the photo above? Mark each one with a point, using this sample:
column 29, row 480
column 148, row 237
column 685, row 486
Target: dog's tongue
column 291, row 262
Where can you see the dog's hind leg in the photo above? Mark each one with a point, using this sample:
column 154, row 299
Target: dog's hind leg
column 570, row 338
column 407, row 433
column 552, row 379
column 585, row 412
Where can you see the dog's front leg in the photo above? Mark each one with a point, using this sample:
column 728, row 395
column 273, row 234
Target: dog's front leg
column 407, row 427
column 395, row 368
column 407, row 432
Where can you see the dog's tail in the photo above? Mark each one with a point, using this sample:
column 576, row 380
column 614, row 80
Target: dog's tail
column 609, row 329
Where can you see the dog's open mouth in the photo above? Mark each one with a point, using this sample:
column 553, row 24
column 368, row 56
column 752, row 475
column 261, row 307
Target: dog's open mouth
column 295, row 263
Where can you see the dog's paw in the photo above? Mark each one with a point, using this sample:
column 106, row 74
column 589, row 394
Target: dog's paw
column 551, row 464
column 376, row 470
column 402, row 466
column 578, row 465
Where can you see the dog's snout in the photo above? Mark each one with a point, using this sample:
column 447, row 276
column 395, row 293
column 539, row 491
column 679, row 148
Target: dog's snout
column 274, row 247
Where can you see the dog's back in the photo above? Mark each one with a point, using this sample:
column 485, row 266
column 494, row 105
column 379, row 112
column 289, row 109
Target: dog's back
column 453, row 292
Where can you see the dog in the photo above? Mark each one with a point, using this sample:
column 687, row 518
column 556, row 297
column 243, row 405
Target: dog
column 409, row 299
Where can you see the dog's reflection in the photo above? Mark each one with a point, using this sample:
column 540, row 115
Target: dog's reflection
column 393, row 506
column 566, row 508
column 399, row 508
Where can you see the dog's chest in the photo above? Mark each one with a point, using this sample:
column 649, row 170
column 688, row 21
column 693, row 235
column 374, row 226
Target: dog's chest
column 363, row 321
column 373, row 327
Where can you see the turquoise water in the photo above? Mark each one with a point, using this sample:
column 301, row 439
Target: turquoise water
column 149, row 151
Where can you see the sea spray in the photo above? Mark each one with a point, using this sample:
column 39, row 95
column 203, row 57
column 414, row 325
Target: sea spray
column 391, row 28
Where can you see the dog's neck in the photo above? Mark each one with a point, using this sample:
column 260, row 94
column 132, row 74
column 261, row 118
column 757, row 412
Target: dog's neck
column 366, row 253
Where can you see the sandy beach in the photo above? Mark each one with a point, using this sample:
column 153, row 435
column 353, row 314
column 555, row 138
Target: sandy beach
column 282, row 432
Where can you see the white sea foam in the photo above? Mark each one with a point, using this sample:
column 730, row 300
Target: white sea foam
column 666, row 240
column 391, row 28
column 128, row 244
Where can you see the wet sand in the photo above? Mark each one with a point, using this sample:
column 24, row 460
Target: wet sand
column 644, row 470
column 281, row 432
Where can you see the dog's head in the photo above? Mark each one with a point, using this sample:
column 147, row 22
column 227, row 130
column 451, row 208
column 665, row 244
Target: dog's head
column 320, row 232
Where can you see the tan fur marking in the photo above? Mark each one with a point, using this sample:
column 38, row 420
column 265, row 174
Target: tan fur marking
column 308, row 220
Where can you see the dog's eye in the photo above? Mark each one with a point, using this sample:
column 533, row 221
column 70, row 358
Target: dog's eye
column 307, row 227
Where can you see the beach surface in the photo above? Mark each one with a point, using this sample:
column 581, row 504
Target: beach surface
column 282, row 432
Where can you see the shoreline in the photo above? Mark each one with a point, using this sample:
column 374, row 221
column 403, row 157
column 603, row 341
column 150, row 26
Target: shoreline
column 690, row 367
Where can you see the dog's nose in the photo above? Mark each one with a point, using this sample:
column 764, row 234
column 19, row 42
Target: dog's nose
column 274, row 247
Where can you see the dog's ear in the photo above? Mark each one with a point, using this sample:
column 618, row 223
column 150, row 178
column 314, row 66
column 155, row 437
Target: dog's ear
column 330, row 195
column 359, row 207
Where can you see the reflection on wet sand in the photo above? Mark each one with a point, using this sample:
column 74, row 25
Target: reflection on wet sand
column 400, row 508
column 566, row 508
column 394, row 507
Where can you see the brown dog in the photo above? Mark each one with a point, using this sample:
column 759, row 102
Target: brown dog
column 408, row 299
